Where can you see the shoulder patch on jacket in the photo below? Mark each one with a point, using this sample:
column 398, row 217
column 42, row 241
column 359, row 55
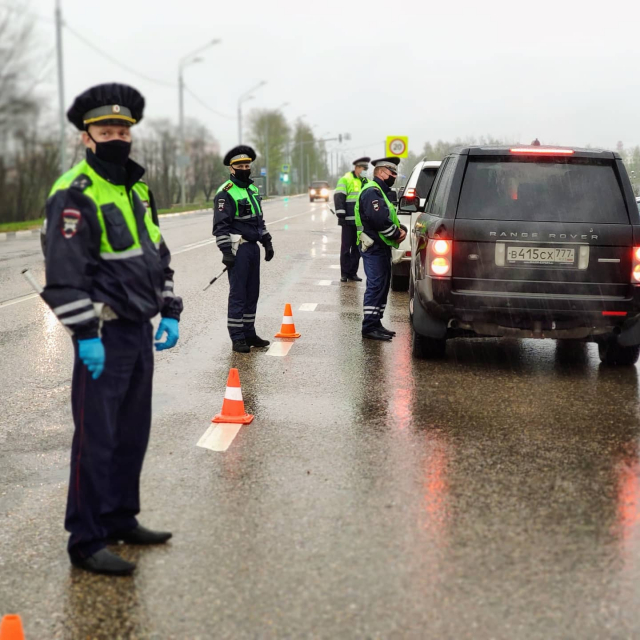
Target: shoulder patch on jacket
column 376, row 205
column 228, row 187
column 70, row 219
column 82, row 182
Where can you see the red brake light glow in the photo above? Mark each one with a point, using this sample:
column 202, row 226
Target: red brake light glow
column 441, row 247
column 637, row 253
column 614, row 313
column 540, row 151
column 410, row 193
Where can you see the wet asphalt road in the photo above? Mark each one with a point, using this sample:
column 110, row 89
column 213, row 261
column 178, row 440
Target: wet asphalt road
column 492, row 495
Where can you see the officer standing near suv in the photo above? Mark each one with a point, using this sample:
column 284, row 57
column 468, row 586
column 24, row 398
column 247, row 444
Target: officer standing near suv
column 238, row 226
column 345, row 198
column 378, row 230
column 108, row 274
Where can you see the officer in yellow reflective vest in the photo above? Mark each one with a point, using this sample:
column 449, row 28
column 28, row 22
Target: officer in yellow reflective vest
column 108, row 274
column 378, row 229
column 238, row 226
column 345, row 198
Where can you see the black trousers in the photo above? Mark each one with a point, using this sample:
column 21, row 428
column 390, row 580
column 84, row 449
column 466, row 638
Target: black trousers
column 244, row 291
column 112, row 417
column 377, row 267
column 349, row 253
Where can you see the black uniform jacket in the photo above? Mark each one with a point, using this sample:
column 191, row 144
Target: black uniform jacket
column 136, row 288
column 225, row 221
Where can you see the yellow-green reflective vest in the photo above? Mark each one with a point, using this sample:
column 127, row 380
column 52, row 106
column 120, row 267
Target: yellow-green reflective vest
column 350, row 186
column 392, row 211
column 115, row 205
column 241, row 196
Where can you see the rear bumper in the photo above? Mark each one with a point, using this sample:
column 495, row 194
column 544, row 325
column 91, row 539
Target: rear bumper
column 526, row 315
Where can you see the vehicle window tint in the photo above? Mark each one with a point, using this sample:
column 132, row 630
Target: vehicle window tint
column 319, row 185
column 436, row 186
column 542, row 190
column 425, row 180
column 444, row 182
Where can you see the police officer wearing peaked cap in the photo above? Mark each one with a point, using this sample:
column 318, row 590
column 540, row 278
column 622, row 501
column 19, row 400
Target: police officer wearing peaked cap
column 238, row 226
column 378, row 229
column 345, row 198
column 108, row 273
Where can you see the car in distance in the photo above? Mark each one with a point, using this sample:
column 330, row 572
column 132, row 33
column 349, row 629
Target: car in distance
column 529, row 242
column 413, row 196
column 319, row 190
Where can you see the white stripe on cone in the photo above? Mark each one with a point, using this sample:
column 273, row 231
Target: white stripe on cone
column 287, row 320
column 233, row 393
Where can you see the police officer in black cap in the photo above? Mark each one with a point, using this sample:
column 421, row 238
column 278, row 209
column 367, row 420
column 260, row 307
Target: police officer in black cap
column 345, row 198
column 238, row 226
column 378, row 229
column 108, row 274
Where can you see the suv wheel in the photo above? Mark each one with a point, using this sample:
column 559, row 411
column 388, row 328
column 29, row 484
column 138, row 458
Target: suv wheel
column 425, row 348
column 613, row 353
column 399, row 283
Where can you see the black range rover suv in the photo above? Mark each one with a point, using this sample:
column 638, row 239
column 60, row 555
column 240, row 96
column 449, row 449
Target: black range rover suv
column 529, row 242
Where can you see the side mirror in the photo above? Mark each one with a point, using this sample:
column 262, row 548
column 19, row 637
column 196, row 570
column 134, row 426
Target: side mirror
column 401, row 191
column 408, row 204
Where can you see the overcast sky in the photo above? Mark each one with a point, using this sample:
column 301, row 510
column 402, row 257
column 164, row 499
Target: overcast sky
column 565, row 71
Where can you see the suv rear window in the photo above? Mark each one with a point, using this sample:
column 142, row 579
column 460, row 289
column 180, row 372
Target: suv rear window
column 542, row 190
column 425, row 180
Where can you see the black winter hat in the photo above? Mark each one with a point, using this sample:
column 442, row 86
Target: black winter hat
column 107, row 104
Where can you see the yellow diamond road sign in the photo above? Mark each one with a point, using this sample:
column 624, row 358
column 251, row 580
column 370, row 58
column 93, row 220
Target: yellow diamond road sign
column 398, row 146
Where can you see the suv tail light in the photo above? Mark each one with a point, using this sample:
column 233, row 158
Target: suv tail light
column 439, row 253
column 635, row 273
column 410, row 194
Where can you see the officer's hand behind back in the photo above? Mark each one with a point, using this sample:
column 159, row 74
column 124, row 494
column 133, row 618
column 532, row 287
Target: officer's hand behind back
column 91, row 353
column 269, row 252
column 228, row 260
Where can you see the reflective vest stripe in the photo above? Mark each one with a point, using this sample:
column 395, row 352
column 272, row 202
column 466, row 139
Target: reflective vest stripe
column 123, row 255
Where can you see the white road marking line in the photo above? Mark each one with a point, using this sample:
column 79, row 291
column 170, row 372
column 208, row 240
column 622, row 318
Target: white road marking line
column 334, row 266
column 31, row 296
column 279, row 349
column 218, row 437
column 325, row 283
column 308, row 306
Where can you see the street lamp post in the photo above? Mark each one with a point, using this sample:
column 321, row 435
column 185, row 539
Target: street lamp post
column 187, row 60
column 243, row 98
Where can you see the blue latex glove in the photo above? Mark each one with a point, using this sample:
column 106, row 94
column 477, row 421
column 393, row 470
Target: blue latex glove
column 170, row 327
column 91, row 352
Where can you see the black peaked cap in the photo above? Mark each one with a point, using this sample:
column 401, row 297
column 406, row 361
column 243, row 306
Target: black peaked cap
column 107, row 104
column 364, row 160
column 241, row 153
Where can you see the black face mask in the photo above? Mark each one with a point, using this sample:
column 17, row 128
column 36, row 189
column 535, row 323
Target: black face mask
column 390, row 181
column 114, row 151
column 244, row 175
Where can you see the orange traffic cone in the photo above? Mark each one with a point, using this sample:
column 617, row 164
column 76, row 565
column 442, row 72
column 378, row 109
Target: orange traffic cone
column 288, row 329
column 233, row 404
column 11, row 628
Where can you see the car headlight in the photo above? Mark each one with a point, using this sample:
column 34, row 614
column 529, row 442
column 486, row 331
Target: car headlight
column 312, row 192
column 324, row 192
